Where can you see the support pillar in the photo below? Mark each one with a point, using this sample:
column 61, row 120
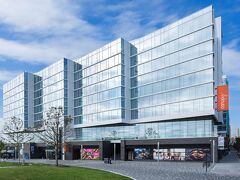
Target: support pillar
column 81, row 150
column 114, row 152
column 214, row 150
column 123, row 150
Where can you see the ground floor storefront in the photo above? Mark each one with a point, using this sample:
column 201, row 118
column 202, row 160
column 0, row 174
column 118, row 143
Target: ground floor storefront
column 178, row 149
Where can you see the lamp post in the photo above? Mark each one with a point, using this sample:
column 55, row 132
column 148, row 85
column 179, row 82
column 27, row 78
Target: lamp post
column 81, row 151
column 114, row 151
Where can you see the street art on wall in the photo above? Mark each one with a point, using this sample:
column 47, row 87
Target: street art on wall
column 181, row 154
column 169, row 154
column 142, row 153
column 197, row 154
column 90, row 153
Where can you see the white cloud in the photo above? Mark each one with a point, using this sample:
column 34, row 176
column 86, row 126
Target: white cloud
column 6, row 75
column 46, row 30
column 129, row 24
column 231, row 60
column 139, row 18
column 48, row 51
column 129, row 27
column 39, row 16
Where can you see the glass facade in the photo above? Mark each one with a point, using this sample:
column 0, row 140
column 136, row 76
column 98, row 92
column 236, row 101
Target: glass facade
column 51, row 85
column 38, row 106
column 13, row 99
column 178, row 129
column 172, row 69
column 159, row 86
column 16, row 98
column 99, row 85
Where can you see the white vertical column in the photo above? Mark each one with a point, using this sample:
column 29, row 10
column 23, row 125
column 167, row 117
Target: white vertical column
column 63, row 150
column 213, row 149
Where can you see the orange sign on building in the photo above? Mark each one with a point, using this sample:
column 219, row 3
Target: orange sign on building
column 222, row 98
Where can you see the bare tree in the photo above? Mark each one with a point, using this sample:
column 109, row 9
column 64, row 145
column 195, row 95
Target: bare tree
column 55, row 129
column 16, row 134
column 150, row 133
column 2, row 145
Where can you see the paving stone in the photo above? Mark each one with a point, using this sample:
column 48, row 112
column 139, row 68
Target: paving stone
column 149, row 170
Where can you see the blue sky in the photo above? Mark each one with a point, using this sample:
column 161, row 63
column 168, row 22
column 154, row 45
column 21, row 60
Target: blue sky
column 36, row 33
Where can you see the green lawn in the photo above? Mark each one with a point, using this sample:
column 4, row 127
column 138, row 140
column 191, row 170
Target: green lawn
column 3, row 164
column 47, row 172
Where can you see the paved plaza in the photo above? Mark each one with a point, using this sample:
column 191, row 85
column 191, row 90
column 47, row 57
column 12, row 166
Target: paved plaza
column 142, row 170
column 226, row 169
column 228, row 165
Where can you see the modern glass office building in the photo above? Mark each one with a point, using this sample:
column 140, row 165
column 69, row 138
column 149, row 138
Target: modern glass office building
column 152, row 95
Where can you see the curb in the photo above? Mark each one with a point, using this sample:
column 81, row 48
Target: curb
column 79, row 166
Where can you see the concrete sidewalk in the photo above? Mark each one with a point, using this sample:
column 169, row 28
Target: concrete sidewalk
column 148, row 170
column 229, row 165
